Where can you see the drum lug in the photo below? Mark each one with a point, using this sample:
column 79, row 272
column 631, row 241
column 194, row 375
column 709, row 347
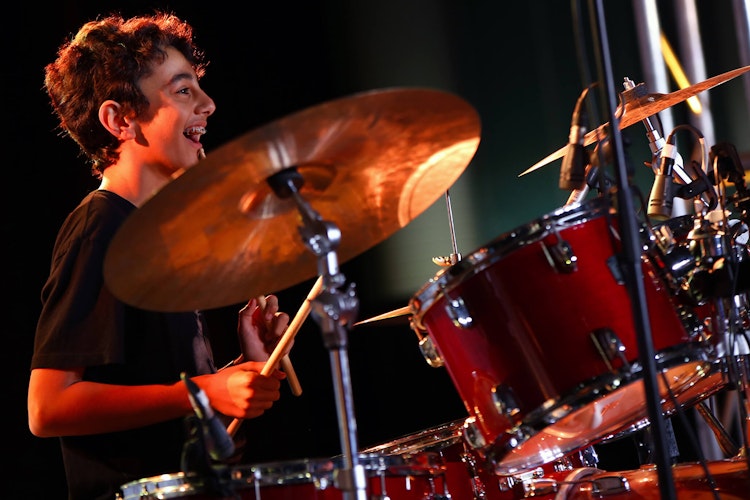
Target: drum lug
column 511, row 438
column 537, row 487
column 472, row 435
column 458, row 313
column 613, row 262
column 561, row 256
column 588, row 457
column 609, row 485
column 505, row 401
column 610, row 347
column 430, row 352
column 350, row 479
column 518, row 482
column 426, row 346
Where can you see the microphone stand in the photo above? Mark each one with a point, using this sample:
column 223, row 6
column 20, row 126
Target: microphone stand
column 197, row 451
column 333, row 310
column 632, row 267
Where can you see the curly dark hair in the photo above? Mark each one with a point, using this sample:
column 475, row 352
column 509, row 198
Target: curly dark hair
column 105, row 60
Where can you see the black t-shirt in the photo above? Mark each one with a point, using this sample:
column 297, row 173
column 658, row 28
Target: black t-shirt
column 83, row 325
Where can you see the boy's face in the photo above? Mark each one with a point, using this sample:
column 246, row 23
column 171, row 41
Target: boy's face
column 169, row 131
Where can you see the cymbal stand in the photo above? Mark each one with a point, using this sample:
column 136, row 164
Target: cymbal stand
column 333, row 310
column 454, row 257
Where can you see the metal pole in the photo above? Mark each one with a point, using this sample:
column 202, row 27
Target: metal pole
column 691, row 50
column 648, row 27
column 741, row 9
column 632, row 267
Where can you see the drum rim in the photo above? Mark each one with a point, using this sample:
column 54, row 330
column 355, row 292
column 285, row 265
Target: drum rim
column 448, row 433
column 321, row 470
column 167, row 485
column 499, row 248
column 317, row 471
column 599, row 389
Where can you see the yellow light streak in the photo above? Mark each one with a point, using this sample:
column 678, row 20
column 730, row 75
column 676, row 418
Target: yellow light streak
column 679, row 74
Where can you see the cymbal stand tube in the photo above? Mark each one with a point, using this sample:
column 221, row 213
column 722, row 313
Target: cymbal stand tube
column 333, row 310
column 723, row 439
column 455, row 256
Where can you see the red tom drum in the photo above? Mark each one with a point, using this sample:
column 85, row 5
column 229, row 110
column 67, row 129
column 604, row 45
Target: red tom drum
column 537, row 333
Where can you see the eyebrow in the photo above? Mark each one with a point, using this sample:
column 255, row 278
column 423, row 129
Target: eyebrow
column 182, row 76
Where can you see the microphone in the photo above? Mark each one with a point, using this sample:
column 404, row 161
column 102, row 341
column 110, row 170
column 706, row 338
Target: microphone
column 632, row 94
column 573, row 168
column 662, row 194
column 219, row 443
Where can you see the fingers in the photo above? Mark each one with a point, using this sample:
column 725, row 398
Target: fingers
column 279, row 323
column 241, row 391
column 271, row 322
column 253, row 393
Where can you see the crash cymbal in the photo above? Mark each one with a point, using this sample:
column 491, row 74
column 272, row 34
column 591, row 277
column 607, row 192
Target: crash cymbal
column 396, row 313
column 638, row 110
column 217, row 234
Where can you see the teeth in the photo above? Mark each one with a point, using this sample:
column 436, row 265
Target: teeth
column 194, row 131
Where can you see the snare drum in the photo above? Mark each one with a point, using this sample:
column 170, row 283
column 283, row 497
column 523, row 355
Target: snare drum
column 394, row 477
column 465, row 475
column 536, row 331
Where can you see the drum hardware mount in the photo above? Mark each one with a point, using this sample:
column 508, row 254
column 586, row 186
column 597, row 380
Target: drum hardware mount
column 615, row 267
column 723, row 439
column 560, row 255
column 610, row 485
column 505, row 401
column 459, row 313
column 610, row 347
column 471, row 434
column 510, row 483
column 333, row 310
column 430, row 352
column 540, row 487
column 478, row 488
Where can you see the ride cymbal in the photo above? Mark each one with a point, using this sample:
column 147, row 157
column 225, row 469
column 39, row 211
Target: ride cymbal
column 217, row 234
column 638, row 110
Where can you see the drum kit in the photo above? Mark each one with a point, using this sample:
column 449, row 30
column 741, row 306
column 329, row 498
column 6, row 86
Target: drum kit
column 505, row 321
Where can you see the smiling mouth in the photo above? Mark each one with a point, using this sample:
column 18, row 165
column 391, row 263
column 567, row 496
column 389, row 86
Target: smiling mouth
column 194, row 133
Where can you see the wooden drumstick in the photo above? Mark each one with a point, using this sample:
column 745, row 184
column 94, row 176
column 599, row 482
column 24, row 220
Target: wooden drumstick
column 289, row 334
column 286, row 363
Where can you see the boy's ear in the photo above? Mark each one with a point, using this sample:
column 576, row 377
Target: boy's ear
column 112, row 118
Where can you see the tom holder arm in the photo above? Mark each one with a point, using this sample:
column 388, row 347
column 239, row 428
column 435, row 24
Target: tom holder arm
column 333, row 310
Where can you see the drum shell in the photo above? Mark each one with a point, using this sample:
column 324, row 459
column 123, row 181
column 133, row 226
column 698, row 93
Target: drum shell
column 507, row 321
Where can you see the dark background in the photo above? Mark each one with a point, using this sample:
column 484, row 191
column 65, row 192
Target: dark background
column 515, row 62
